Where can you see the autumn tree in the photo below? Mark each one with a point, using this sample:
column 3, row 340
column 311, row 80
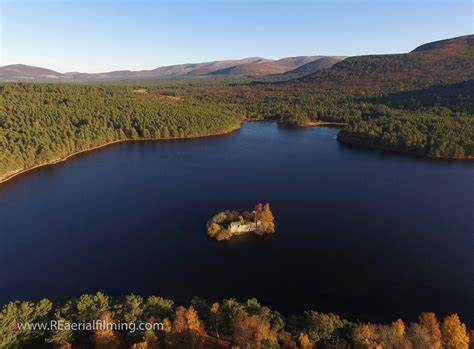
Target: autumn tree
column 187, row 329
column 367, row 336
column 104, row 336
column 267, row 214
column 419, row 337
column 253, row 331
column 429, row 322
column 304, row 341
column 454, row 333
column 399, row 327
column 392, row 336
column 285, row 340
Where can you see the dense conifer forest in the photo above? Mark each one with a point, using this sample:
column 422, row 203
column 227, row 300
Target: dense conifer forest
column 156, row 322
column 41, row 123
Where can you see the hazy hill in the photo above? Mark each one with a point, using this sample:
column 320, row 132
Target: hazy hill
column 22, row 71
column 254, row 69
column 314, row 66
column 436, row 63
column 281, row 66
column 253, row 66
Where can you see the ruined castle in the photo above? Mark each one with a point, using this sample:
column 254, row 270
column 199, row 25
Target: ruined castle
column 240, row 228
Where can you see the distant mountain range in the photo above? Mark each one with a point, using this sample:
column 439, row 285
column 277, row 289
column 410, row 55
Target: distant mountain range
column 254, row 66
column 439, row 62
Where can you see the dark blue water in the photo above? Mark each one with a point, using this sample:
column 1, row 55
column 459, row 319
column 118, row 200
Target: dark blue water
column 367, row 235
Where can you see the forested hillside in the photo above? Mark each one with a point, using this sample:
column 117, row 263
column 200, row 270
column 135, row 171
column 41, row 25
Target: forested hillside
column 442, row 62
column 155, row 322
column 420, row 135
column 441, row 99
column 43, row 123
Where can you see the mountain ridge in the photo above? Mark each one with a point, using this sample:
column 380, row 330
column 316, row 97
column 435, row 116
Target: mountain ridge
column 444, row 61
column 26, row 71
column 251, row 66
column 438, row 62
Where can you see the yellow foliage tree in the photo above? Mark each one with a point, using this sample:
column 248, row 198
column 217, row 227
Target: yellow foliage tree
column 399, row 327
column 166, row 325
column 267, row 214
column 454, row 333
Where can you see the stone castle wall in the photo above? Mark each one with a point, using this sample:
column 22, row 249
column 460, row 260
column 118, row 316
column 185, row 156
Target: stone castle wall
column 236, row 227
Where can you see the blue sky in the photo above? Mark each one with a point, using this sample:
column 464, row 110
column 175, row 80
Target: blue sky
column 104, row 35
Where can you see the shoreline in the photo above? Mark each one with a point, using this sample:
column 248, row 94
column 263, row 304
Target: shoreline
column 15, row 174
column 309, row 124
column 396, row 151
column 323, row 123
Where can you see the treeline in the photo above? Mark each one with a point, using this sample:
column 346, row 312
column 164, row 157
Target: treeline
column 41, row 123
column 203, row 324
column 440, row 137
column 292, row 104
column 436, row 122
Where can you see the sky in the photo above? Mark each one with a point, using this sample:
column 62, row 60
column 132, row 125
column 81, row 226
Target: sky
column 105, row 35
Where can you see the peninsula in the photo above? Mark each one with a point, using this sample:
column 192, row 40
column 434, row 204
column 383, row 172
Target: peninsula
column 226, row 224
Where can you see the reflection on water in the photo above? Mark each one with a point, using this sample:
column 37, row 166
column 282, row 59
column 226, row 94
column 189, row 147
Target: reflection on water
column 363, row 234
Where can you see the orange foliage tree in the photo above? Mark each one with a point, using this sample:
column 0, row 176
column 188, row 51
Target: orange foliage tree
column 252, row 331
column 454, row 333
column 187, row 330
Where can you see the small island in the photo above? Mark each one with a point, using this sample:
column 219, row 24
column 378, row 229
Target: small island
column 227, row 224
